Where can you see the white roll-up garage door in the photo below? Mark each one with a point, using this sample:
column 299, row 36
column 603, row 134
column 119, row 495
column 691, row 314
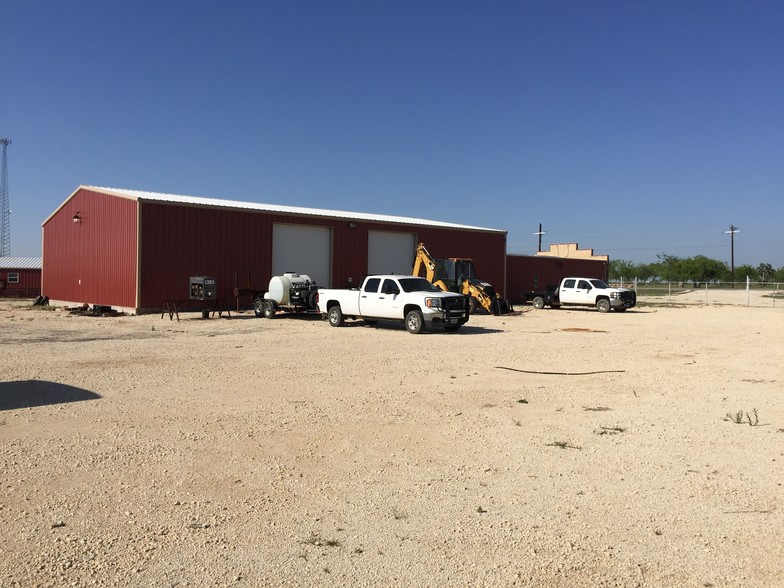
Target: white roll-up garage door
column 302, row 249
column 390, row 252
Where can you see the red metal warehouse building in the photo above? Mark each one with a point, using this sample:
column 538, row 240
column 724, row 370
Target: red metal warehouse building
column 133, row 250
column 20, row 277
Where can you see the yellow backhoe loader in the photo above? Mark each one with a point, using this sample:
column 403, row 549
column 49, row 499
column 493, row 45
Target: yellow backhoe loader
column 458, row 275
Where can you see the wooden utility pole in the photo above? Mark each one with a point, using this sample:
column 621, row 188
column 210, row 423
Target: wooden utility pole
column 540, row 233
column 731, row 233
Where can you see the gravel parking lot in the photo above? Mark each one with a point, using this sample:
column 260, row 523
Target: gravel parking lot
column 552, row 448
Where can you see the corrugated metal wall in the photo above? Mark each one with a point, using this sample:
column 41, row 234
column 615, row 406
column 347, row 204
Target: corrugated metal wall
column 92, row 261
column 526, row 273
column 28, row 286
column 179, row 241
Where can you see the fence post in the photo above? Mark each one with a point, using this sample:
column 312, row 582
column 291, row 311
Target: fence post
column 669, row 289
column 706, row 293
column 748, row 286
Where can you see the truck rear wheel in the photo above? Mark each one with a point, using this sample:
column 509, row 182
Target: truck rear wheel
column 538, row 303
column 268, row 308
column 414, row 322
column 603, row 305
column 335, row 316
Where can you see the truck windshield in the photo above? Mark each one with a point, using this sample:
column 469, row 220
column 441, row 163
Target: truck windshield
column 598, row 284
column 417, row 285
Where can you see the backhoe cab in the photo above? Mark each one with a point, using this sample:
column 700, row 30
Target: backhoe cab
column 458, row 275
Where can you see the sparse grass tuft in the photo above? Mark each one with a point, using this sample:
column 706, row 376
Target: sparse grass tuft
column 597, row 408
column 563, row 445
column 610, row 430
column 740, row 417
column 316, row 540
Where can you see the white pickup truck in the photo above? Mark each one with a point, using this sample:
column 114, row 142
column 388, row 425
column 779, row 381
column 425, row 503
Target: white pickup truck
column 413, row 300
column 585, row 292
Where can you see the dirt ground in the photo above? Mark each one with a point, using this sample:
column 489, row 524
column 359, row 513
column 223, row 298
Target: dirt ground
column 545, row 448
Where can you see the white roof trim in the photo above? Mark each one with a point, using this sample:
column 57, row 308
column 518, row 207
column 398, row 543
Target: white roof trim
column 298, row 210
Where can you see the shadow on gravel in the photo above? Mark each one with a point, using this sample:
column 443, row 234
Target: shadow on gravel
column 398, row 326
column 29, row 393
column 247, row 316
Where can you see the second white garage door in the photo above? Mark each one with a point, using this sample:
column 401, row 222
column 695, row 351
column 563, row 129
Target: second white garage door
column 303, row 249
column 390, row 253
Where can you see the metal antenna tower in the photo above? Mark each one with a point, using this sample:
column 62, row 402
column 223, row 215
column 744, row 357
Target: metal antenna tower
column 5, row 214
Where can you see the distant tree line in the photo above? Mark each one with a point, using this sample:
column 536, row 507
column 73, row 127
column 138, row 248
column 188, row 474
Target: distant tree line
column 699, row 269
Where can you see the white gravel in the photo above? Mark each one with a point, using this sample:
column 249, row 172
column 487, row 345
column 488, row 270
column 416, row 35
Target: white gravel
column 138, row 451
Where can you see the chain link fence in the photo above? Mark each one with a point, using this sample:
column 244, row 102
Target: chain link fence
column 748, row 293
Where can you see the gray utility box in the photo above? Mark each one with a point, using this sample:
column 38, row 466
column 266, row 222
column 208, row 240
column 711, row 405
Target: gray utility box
column 202, row 288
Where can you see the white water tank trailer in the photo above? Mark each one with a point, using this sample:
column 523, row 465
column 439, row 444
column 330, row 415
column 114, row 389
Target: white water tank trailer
column 291, row 292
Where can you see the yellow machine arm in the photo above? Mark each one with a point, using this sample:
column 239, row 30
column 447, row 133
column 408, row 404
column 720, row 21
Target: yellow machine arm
column 482, row 294
column 423, row 260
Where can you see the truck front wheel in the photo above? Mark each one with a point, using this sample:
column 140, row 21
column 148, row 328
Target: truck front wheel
column 538, row 303
column 414, row 322
column 603, row 305
column 335, row 316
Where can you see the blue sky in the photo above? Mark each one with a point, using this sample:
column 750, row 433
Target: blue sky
column 631, row 127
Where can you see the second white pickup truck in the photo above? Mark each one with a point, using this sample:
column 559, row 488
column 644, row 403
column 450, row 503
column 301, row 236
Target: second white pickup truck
column 410, row 299
column 585, row 292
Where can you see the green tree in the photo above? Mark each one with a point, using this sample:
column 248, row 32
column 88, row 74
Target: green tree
column 671, row 268
column 764, row 271
column 742, row 271
column 704, row 269
column 647, row 271
column 622, row 269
